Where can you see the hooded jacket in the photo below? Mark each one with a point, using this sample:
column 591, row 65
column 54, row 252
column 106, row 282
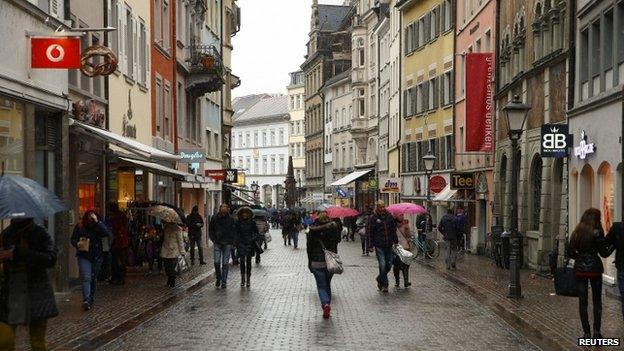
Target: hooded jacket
column 195, row 223
column 246, row 232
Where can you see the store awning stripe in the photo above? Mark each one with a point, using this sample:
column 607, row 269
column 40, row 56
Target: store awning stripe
column 157, row 168
column 123, row 142
column 446, row 194
column 350, row 177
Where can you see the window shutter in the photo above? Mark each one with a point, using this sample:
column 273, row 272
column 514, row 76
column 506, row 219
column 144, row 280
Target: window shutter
column 405, row 113
column 121, row 19
column 441, row 89
column 439, row 19
column 452, row 88
column 452, row 9
column 442, row 11
column 416, row 38
column 427, row 27
column 109, row 14
column 436, row 92
column 406, row 51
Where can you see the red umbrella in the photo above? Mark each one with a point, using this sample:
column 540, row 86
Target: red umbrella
column 341, row 212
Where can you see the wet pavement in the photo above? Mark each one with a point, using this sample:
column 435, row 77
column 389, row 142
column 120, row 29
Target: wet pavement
column 281, row 311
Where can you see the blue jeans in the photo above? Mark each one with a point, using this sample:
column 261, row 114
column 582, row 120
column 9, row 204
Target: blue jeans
column 295, row 238
column 221, row 261
column 89, row 270
column 323, row 284
column 384, row 258
column 620, row 278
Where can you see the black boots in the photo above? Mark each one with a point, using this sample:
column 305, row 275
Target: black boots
column 248, row 280
column 242, row 281
column 406, row 281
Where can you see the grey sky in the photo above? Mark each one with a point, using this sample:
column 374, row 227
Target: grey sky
column 271, row 43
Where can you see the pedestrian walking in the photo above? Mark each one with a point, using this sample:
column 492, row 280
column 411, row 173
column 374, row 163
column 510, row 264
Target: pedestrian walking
column 615, row 238
column 361, row 224
column 404, row 235
column 195, row 223
column 449, row 229
column 323, row 235
column 381, row 232
column 463, row 228
column 107, row 261
column 586, row 243
column 172, row 250
column 290, row 223
column 87, row 239
column 26, row 294
column 117, row 221
column 221, row 233
column 263, row 229
column 246, row 237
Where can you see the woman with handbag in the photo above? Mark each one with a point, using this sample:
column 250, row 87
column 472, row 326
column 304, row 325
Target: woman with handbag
column 87, row 239
column 246, row 242
column 263, row 229
column 405, row 240
column 323, row 235
column 586, row 243
column 172, row 250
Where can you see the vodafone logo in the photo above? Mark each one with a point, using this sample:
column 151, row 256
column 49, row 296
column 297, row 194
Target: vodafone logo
column 55, row 53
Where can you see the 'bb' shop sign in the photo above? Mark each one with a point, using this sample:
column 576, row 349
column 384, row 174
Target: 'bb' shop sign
column 555, row 140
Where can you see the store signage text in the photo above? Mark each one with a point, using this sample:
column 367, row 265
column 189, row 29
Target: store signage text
column 555, row 140
column 216, row 174
column 584, row 147
column 391, row 186
column 462, row 181
column 192, row 156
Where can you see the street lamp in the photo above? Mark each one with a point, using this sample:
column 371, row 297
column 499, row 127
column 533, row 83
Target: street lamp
column 516, row 113
column 429, row 161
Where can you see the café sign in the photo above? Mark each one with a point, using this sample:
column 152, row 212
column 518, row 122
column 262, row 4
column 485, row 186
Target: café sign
column 192, row 156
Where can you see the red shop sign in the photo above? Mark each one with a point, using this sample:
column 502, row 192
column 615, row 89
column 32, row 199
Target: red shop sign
column 437, row 183
column 216, row 174
column 55, row 52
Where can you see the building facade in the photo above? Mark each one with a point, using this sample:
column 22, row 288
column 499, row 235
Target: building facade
column 296, row 105
column 595, row 174
column 533, row 62
column 260, row 145
column 475, row 29
column 427, row 79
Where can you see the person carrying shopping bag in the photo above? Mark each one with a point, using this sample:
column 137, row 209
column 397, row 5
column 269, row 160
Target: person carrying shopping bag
column 172, row 250
column 405, row 240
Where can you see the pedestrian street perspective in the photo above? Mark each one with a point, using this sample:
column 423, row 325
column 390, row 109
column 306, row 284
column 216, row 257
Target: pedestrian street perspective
column 311, row 175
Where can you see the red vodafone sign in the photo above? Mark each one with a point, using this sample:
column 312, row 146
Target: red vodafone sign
column 437, row 183
column 54, row 52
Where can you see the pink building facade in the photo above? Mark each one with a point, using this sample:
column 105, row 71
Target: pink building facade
column 475, row 31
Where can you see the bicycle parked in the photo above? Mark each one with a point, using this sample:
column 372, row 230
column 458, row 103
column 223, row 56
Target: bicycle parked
column 429, row 247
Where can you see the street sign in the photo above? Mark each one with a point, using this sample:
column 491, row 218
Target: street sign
column 231, row 176
column 555, row 140
column 437, row 184
column 462, row 181
column 55, row 52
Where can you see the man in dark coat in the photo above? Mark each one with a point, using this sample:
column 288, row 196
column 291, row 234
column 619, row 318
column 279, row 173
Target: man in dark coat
column 615, row 239
column 221, row 232
column 117, row 222
column 195, row 223
column 26, row 297
column 381, row 232
column 450, row 231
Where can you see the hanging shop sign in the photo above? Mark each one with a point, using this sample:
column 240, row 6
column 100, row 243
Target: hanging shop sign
column 555, row 140
column 98, row 60
column 216, row 174
column 391, row 186
column 231, row 176
column 89, row 112
column 462, row 181
column 192, row 156
column 372, row 183
column 55, row 52
column 341, row 193
column 437, row 184
column 479, row 93
column 584, row 147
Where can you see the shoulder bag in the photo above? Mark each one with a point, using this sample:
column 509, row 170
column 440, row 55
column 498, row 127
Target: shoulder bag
column 332, row 261
column 565, row 279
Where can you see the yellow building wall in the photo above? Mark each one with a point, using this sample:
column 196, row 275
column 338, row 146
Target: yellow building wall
column 297, row 115
column 436, row 52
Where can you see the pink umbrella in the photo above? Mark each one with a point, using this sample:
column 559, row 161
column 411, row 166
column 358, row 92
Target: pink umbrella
column 405, row 208
column 341, row 212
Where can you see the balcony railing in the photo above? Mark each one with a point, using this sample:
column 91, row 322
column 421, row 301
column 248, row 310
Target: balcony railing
column 206, row 70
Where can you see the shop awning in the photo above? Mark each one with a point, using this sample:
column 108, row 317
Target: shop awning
column 351, row 177
column 160, row 169
column 123, row 142
column 248, row 202
column 445, row 195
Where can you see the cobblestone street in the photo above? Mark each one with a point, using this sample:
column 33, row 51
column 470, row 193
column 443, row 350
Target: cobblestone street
column 281, row 312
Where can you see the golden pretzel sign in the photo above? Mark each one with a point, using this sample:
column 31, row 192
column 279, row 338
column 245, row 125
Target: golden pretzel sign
column 101, row 69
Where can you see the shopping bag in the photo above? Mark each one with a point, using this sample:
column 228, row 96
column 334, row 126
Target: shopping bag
column 404, row 255
column 267, row 237
column 182, row 265
column 565, row 282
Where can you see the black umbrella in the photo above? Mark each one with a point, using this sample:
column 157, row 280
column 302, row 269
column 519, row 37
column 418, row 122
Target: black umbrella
column 24, row 198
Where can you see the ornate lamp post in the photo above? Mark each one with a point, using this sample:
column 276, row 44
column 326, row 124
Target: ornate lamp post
column 429, row 161
column 516, row 113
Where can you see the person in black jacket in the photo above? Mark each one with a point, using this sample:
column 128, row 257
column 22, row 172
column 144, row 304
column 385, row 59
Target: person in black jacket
column 615, row 238
column 381, row 232
column 246, row 237
column 449, row 229
column 323, row 234
column 586, row 242
column 26, row 294
column 195, row 223
column 221, row 232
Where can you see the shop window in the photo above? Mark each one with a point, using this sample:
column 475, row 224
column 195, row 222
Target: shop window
column 536, row 192
column 11, row 134
column 607, row 199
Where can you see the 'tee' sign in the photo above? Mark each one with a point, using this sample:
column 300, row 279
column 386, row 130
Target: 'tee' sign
column 462, row 181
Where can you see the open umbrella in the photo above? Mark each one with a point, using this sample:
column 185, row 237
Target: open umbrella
column 341, row 212
column 260, row 213
column 165, row 213
column 405, row 208
column 24, row 198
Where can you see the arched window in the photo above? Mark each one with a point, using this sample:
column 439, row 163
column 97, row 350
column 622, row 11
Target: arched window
column 546, row 29
column 607, row 195
column 537, row 33
column 536, row 192
column 586, row 190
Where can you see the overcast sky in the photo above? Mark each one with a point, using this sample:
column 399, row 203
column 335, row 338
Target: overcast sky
column 271, row 43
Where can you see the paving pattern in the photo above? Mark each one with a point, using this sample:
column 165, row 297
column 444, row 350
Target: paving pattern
column 281, row 311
